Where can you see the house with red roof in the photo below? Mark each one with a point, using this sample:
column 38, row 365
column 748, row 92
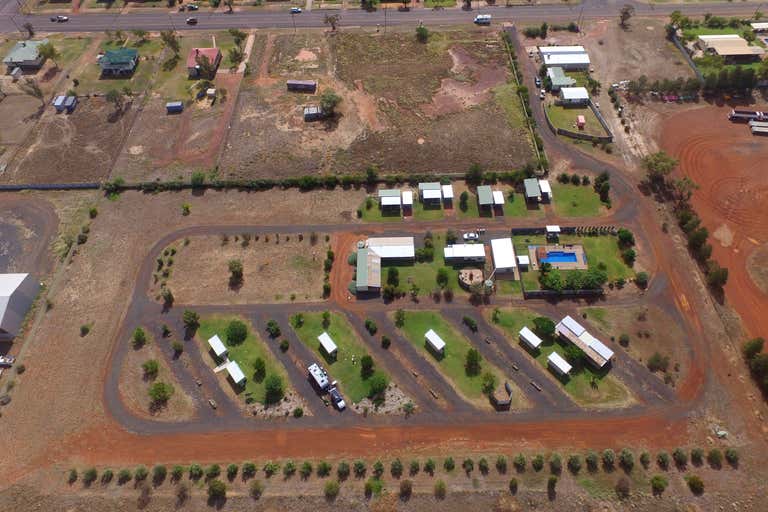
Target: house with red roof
column 198, row 55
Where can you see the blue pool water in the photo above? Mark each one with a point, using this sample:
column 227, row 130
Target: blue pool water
column 560, row 257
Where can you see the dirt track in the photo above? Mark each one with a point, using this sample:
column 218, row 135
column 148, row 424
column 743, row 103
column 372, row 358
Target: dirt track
column 727, row 163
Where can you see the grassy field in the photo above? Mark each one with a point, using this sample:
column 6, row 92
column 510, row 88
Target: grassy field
column 599, row 249
column 245, row 354
column 424, row 275
column 598, row 315
column 149, row 51
column 576, row 200
column 69, row 48
column 429, row 213
column 606, row 390
column 565, row 118
column 417, row 323
column 508, row 287
column 375, row 214
column 346, row 367
column 472, row 210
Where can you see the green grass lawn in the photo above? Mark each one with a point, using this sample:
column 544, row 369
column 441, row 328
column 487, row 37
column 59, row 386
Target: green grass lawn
column 417, row 323
column 439, row 3
column 598, row 315
column 608, row 391
column 565, row 118
column 515, row 206
column 471, row 211
column 576, row 200
column 693, row 33
column 245, row 354
column 375, row 214
column 346, row 367
column 140, row 81
column 508, row 287
column 69, row 48
column 424, row 275
column 420, row 212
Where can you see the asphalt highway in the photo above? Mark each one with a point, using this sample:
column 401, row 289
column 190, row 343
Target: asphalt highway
column 11, row 20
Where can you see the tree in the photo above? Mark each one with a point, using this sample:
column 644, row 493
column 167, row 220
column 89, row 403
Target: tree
column 659, row 165
column 191, row 319
column 609, row 458
column 422, row 34
column 48, row 51
column 332, row 20
column 331, row 489
column 717, row 276
column 139, row 338
column 151, row 367
column 160, row 392
column 236, row 332
column 684, row 188
column 140, row 34
column 171, row 41
column 235, row 271
column 544, row 327
column 658, row 484
column 626, row 459
column 329, row 100
column 695, row 484
column 641, row 279
column 399, row 318
column 474, row 175
column 442, row 277
column 259, row 369
column 488, row 382
column 235, row 55
column 30, row 30
column 217, row 490
column 273, row 389
column 205, row 68
column 472, row 363
column 273, row 329
column 752, row 348
column 463, row 199
column 378, row 384
column 625, row 14
column 32, row 88
column 366, row 366
column 574, row 464
column 115, row 97
column 626, row 238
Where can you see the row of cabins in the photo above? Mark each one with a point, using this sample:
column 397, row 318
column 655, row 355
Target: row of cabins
column 597, row 354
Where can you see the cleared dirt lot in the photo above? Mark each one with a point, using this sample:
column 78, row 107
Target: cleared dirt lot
column 406, row 106
column 278, row 268
column 79, row 147
column 725, row 160
column 19, row 113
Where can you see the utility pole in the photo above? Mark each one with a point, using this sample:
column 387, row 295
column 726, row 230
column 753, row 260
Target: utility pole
column 385, row 18
column 293, row 19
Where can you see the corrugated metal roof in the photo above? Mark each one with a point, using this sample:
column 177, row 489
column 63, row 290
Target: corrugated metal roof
column 436, row 341
column 484, row 195
column 530, row 337
column 235, row 372
column 558, row 362
column 503, row 253
column 24, row 51
column 574, row 326
column 464, row 251
column 327, row 343
column 216, row 344
column 531, row 188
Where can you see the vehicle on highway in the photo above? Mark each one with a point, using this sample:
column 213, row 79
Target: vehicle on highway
column 191, row 21
column 295, row 10
column 482, row 19
column 192, row 7
column 470, row 236
column 59, row 18
column 212, row 403
column 337, row 399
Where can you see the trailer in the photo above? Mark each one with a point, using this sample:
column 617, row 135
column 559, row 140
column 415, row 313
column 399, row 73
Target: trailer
column 743, row 116
column 309, row 86
column 759, row 130
column 761, row 124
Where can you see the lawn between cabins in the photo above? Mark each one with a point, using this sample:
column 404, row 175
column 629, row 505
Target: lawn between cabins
column 245, row 354
column 371, row 212
column 565, row 118
column 514, row 205
column 424, row 275
column 576, row 200
column 346, row 367
column 607, row 392
column 452, row 363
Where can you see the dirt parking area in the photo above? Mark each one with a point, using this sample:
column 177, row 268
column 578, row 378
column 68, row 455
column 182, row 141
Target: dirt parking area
column 19, row 113
column 74, row 148
column 276, row 268
column 405, row 106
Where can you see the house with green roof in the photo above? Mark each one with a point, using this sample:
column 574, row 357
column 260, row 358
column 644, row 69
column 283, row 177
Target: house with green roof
column 119, row 62
column 484, row 196
column 25, row 55
column 559, row 79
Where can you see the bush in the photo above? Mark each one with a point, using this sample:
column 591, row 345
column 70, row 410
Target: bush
column 472, row 363
column 414, row 467
column 645, row 459
column 680, row 457
column 482, row 465
column 422, row 34
column 663, row 460
column 371, row 326
column 195, row 472
column 213, row 471
column 513, row 486
column 331, row 489
column 658, row 484
column 158, row 474
column 406, row 489
column 89, row 476
column 284, row 345
column 342, row 470
column 609, row 459
column 471, row 323
column 468, row 465
column 191, row 320
column 626, row 459
column 305, row 471
column 396, row 468
column 256, row 489
column 574, row 464
column 440, row 490
column 732, row 456
column 140, row 474
column 151, row 367
column 378, row 469
column 160, row 393
column 697, row 456
column 273, row 386
column 449, row 464
column 715, row 458
column 641, row 279
column 289, row 469
column 323, row 468
column 501, row 464
column 537, row 462
column 298, row 412
column 123, row 476
column 555, row 464
column 695, row 484
column 592, row 460
column 359, row 468
column 658, row 362
column 752, row 348
column 385, row 342
column 177, row 346
column 217, row 490
column 237, row 332
column 249, row 470
column 177, row 472
column 138, row 339
column 232, row 470
column 273, row 329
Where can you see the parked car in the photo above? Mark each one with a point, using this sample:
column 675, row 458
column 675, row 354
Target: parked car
column 192, row 7
column 337, row 399
column 212, row 403
column 60, row 18
column 191, row 21
column 7, row 360
column 295, row 10
column 470, row 236
column 542, row 94
column 537, row 80
column 482, row 19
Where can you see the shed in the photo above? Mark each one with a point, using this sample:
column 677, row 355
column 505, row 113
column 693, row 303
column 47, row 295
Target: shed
column 558, row 364
column 581, row 122
column 528, row 337
column 219, row 350
column 523, row 261
column 430, row 191
column 447, row 193
column 211, row 92
column 70, row 102
column 574, row 95
column 25, row 55
column 174, row 107
column 389, row 198
column 393, row 248
column 312, row 113
column 235, row 373
column 546, row 190
column 498, row 198
column 503, row 253
column 408, row 198
column 17, row 293
column 435, row 342
column 301, row 85
column 58, row 103
column 367, row 271
column 532, row 190
column 464, row 252
column 327, row 344
column 759, row 26
column 484, row 196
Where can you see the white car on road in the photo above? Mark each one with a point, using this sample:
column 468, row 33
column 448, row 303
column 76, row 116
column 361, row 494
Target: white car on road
column 468, row 237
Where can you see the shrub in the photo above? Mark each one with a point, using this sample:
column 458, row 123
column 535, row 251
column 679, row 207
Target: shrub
column 160, row 393
column 366, row 366
column 626, row 459
column 305, row 471
column 715, row 458
column 697, row 456
column 72, row 477
column 513, row 486
column 359, row 468
column 284, row 345
column 249, row 470
column 151, row 367
column 482, row 465
column 574, row 464
column 195, row 472
column 331, row 489
column 440, row 488
column 396, row 468
column 237, row 332
column 270, row 468
column 256, row 489
column 471, row 323
column 371, row 326
column 273, row 329
column 385, row 342
column 555, row 464
column 406, row 489
column 662, row 459
column 90, row 475
column 232, row 471
column 298, row 412
column 622, row 488
column 138, row 339
column 422, row 34
column 658, row 363
column 592, row 460
column 158, row 474
column 609, row 459
column 213, row 471
column 658, row 484
column 177, row 472
column 641, row 278
column 519, row 462
column 732, row 456
column 551, row 483
column 414, row 467
column 323, row 468
column 191, row 320
column 342, row 470
column 177, row 346
column 468, row 465
column 449, row 464
column 140, row 474
column 273, row 387
column 501, row 464
column 695, row 484
column 537, row 462
column 378, row 469
column 752, row 348
column 680, row 457
column 645, row 459
column 217, row 490
column 472, row 363
column 289, row 469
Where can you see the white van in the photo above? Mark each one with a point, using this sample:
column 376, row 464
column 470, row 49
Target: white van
column 482, row 19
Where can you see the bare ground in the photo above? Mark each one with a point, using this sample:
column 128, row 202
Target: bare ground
column 278, row 268
column 757, row 268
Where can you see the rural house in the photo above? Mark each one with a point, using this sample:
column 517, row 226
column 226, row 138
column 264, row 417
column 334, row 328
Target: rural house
column 197, row 55
column 565, row 57
column 558, row 79
column 120, row 62
column 574, row 96
column 25, row 55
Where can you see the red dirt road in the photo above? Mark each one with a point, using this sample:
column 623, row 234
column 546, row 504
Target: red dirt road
column 728, row 164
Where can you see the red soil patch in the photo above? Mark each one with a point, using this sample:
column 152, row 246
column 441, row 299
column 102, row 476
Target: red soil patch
column 726, row 161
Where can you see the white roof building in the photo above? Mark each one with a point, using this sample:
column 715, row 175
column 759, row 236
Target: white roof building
column 545, row 187
column 596, row 351
column 564, row 56
column 523, row 260
column 319, row 375
column 328, row 344
column 559, row 364
column 528, row 337
column 235, row 373
column 398, row 247
column 435, row 342
column 407, row 198
column 430, row 190
column 563, row 50
column 503, row 254
column 219, row 350
column 17, row 293
column 389, row 197
column 447, row 191
column 552, row 229
column 759, row 26
column 498, row 197
column 475, row 252
column 574, row 94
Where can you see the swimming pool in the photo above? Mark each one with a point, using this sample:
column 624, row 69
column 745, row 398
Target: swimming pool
column 560, row 257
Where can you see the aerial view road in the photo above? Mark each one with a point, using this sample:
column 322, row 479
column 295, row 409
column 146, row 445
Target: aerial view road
column 307, row 255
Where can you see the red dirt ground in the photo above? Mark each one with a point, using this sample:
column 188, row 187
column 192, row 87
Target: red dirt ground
column 727, row 162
